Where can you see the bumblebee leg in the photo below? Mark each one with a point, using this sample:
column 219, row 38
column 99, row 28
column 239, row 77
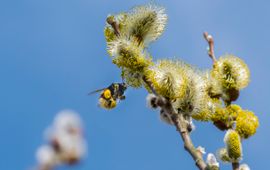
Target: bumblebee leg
column 122, row 97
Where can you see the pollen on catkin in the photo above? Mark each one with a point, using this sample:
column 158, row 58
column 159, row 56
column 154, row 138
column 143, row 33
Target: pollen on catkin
column 210, row 107
column 195, row 99
column 230, row 74
column 146, row 23
column 204, row 105
column 132, row 78
column 224, row 118
column 233, row 145
column 128, row 55
column 246, row 123
column 168, row 78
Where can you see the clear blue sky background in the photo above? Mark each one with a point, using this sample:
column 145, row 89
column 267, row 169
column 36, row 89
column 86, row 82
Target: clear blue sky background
column 52, row 53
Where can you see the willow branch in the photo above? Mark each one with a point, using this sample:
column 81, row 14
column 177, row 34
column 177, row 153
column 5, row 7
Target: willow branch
column 235, row 166
column 210, row 41
column 182, row 127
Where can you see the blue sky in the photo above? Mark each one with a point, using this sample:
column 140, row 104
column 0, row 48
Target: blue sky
column 52, row 53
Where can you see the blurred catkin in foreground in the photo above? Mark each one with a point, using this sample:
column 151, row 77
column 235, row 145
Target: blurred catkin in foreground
column 65, row 142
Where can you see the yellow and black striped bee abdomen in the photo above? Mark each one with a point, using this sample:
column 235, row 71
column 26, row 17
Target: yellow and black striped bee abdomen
column 107, row 103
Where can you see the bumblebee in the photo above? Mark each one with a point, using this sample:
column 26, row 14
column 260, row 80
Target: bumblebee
column 110, row 95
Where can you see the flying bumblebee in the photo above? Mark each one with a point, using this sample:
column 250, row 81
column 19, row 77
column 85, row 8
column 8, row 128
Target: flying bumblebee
column 109, row 96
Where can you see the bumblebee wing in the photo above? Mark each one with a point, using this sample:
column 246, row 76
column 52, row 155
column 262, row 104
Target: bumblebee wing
column 96, row 91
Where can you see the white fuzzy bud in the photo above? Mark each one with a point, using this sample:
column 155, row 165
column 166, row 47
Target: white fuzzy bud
column 46, row 156
column 165, row 117
column 244, row 167
column 151, row 100
column 211, row 160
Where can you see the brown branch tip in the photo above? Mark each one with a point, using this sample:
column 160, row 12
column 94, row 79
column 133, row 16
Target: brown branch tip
column 210, row 41
column 110, row 20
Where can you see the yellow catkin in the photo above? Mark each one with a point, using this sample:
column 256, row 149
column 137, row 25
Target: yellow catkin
column 246, row 123
column 168, row 79
column 133, row 79
column 233, row 145
column 229, row 75
column 224, row 118
column 128, row 55
column 109, row 34
column 231, row 71
column 146, row 23
column 206, row 113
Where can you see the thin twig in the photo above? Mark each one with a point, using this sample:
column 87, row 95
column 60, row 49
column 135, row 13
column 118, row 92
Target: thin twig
column 210, row 41
column 181, row 126
column 149, row 85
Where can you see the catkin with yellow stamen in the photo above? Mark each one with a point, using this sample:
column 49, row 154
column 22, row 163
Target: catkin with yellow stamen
column 230, row 74
column 128, row 55
column 233, row 145
column 224, row 118
column 168, row 78
column 246, row 123
column 146, row 23
column 131, row 78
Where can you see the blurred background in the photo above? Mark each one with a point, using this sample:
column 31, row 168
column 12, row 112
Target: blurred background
column 53, row 52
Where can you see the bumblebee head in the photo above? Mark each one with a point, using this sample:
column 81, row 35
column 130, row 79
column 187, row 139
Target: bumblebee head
column 124, row 86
